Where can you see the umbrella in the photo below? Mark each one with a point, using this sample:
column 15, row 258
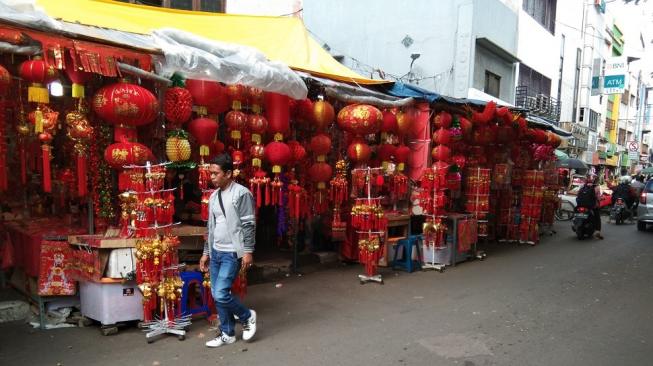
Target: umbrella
column 561, row 155
column 648, row 170
column 572, row 164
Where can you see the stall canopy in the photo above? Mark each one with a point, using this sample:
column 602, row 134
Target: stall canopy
column 283, row 39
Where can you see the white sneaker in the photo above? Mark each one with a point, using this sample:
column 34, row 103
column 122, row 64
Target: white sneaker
column 249, row 327
column 220, row 340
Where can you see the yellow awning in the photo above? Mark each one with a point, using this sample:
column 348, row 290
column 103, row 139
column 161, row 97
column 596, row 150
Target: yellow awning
column 283, row 39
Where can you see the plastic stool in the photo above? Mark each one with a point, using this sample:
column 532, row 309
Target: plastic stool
column 406, row 247
column 189, row 305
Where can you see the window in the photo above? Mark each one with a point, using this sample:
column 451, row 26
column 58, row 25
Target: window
column 625, row 97
column 543, row 11
column 621, row 139
column 536, row 82
column 562, row 62
column 576, row 84
column 214, row 6
column 591, row 117
column 609, row 125
column 492, row 84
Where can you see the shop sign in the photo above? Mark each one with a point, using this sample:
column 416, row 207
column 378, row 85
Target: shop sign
column 633, row 155
column 614, row 81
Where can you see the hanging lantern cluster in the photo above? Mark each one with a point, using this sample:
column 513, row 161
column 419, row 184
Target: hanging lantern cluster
column 80, row 132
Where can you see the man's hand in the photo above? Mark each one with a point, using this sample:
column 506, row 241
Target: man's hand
column 204, row 263
column 248, row 260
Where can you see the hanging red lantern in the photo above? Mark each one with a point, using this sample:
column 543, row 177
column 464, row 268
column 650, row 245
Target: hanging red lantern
column 386, row 153
column 442, row 136
column 204, row 130
column 406, row 120
column 178, row 104
column 255, row 99
column 236, row 94
column 210, row 95
column 302, row 111
column 442, row 120
column 277, row 154
column 124, row 103
column 441, row 153
column 297, row 152
column 277, row 112
column 5, row 81
column 38, row 73
column 120, row 154
column 323, row 114
column 320, row 146
column 389, row 121
column 402, row 153
column 257, row 125
column 484, row 117
column 465, row 126
column 360, row 119
column 79, row 77
column 257, row 152
column 359, row 152
column 236, row 122
column 320, row 173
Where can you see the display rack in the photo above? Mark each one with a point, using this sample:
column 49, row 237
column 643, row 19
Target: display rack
column 370, row 225
column 158, row 270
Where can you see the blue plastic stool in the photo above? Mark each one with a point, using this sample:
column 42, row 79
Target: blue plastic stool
column 406, row 247
column 189, row 294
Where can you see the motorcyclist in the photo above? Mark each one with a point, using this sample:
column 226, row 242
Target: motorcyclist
column 624, row 192
column 588, row 197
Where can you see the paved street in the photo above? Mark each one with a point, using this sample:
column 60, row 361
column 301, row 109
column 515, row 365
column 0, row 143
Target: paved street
column 564, row 302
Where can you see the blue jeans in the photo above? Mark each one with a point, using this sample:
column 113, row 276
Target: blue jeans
column 223, row 268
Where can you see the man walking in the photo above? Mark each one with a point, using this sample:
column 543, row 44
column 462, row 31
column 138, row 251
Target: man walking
column 230, row 244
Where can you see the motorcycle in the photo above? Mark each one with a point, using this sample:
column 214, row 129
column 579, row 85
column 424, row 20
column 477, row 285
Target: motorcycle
column 583, row 222
column 620, row 212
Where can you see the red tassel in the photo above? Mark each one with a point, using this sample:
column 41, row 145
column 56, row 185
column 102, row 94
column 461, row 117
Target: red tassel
column 47, row 177
column 258, row 195
column 82, row 183
column 267, row 194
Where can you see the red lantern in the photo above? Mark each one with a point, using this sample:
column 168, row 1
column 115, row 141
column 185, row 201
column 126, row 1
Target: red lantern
column 385, row 152
column 79, row 77
column 389, row 122
column 38, row 73
column 320, row 145
column 402, row 153
column 302, row 110
column 359, row 152
column 278, row 154
column 277, row 111
column 441, row 153
column 177, row 106
column 255, row 99
column 5, row 81
column 466, row 126
column 406, row 120
column 204, row 130
column 236, row 121
column 126, row 153
column 125, row 103
column 257, row 125
column 323, row 114
column 442, row 120
column 483, row 118
column 297, row 152
column 208, row 94
column 442, row 136
column 256, row 151
column 360, row 119
column 236, row 94
column 320, row 173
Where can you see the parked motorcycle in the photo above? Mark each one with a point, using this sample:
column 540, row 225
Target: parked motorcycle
column 620, row 212
column 583, row 222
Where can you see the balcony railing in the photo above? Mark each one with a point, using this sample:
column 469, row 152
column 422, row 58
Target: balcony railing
column 537, row 104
